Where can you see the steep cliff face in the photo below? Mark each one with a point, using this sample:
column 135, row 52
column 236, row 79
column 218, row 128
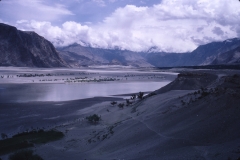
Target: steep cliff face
column 26, row 49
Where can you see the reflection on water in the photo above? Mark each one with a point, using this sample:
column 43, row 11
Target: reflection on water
column 65, row 92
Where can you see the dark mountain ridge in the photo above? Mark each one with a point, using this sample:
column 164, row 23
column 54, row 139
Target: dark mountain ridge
column 26, row 49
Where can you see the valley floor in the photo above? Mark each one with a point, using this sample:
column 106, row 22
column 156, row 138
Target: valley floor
column 194, row 117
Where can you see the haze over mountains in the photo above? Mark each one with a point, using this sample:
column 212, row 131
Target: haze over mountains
column 27, row 49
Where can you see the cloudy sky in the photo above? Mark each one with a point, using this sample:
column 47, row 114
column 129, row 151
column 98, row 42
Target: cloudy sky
column 167, row 25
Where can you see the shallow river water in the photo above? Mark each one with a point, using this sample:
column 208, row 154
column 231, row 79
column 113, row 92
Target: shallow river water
column 18, row 84
column 65, row 92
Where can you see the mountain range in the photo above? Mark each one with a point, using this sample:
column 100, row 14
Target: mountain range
column 28, row 49
column 77, row 55
column 215, row 53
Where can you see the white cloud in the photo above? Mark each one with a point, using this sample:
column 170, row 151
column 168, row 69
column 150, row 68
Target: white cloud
column 173, row 26
column 70, row 32
column 35, row 9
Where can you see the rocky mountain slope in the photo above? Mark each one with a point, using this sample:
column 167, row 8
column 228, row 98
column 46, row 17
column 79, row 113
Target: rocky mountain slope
column 26, row 49
column 230, row 57
column 205, row 55
column 77, row 55
column 209, row 54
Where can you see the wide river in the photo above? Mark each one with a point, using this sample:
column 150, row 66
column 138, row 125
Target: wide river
column 26, row 92
column 65, row 92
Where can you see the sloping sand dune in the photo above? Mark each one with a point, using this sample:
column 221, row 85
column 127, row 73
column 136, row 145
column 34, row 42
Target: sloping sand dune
column 177, row 124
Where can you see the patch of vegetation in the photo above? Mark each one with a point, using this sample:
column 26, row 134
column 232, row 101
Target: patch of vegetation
column 103, row 134
column 24, row 155
column 113, row 103
column 28, row 139
column 133, row 97
column 93, row 118
column 28, row 133
column 183, row 103
column 110, row 129
column 121, row 105
column 204, row 93
column 140, row 95
column 4, row 136
column 236, row 76
column 128, row 102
